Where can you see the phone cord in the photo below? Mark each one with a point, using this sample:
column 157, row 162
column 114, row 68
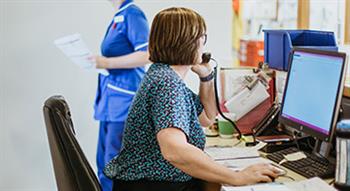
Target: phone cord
column 218, row 104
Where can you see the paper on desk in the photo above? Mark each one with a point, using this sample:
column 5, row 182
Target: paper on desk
column 310, row 184
column 239, row 164
column 259, row 146
column 76, row 50
column 258, row 187
column 305, row 185
column 293, row 157
column 222, row 153
column 246, row 100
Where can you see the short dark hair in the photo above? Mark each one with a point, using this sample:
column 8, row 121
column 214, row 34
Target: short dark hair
column 174, row 36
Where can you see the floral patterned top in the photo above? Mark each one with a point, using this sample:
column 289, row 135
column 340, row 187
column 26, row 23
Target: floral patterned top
column 162, row 101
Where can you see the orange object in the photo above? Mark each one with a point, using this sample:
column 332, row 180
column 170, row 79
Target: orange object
column 347, row 91
column 251, row 52
column 235, row 6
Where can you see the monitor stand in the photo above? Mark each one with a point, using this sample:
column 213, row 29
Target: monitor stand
column 322, row 148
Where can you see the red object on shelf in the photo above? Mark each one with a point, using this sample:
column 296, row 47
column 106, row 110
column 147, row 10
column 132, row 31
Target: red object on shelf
column 251, row 52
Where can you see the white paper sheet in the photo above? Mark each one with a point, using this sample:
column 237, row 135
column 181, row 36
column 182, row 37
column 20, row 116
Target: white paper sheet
column 240, row 164
column 258, row 187
column 246, row 100
column 234, row 81
column 219, row 153
column 76, row 50
column 315, row 183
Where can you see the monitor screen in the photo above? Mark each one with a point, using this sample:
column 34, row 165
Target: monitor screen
column 312, row 90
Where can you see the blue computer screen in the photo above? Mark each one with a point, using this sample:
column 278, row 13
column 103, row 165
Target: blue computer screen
column 312, row 90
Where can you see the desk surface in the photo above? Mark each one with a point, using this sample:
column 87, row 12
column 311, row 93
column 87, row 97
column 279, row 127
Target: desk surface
column 217, row 141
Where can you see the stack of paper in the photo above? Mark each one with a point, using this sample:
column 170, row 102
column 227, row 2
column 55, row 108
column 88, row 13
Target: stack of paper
column 224, row 153
column 258, row 187
column 315, row 183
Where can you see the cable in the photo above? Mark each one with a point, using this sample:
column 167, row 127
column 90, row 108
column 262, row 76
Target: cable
column 218, row 103
column 296, row 139
column 239, row 142
column 287, row 176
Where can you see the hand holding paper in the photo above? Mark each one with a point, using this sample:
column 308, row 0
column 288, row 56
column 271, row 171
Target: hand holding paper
column 76, row 50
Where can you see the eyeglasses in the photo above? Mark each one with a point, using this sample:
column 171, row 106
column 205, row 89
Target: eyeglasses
column 205, row 38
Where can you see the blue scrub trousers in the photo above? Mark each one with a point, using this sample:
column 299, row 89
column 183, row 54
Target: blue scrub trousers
column 109, row 144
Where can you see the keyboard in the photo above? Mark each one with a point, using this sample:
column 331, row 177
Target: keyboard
column 309, row 167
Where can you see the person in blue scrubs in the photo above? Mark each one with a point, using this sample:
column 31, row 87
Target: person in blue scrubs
column 124, row 54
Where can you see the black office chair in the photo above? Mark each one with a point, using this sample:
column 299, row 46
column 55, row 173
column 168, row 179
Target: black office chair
column 72, row 170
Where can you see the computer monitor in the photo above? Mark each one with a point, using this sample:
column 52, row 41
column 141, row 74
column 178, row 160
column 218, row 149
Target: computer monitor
column 313, row 92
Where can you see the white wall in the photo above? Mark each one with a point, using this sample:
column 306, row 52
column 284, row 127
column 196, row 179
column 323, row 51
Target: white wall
column 328, row 16
column 32, row 69
column 218, row 17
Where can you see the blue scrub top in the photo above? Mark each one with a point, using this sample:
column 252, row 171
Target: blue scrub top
column 127, row 33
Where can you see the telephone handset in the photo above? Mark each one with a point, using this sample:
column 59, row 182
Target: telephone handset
column 206, row 56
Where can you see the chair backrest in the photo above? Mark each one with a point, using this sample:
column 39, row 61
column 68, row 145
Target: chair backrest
column 72, row 170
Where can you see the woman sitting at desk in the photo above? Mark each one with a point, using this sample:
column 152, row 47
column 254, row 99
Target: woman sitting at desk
column 163, row 140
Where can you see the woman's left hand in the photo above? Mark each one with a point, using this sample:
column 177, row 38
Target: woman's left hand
column 203, row 69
